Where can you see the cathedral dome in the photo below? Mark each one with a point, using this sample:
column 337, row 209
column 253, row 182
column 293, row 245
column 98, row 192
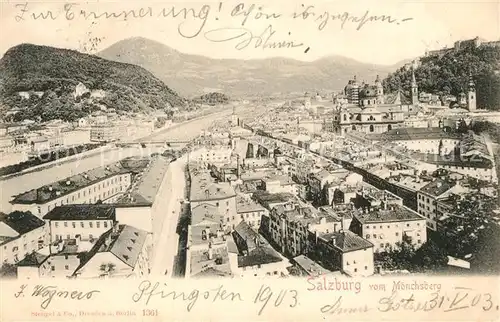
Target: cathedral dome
column 368, row 92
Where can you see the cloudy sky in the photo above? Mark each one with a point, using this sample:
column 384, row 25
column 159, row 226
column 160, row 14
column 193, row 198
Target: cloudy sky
column 349, row 28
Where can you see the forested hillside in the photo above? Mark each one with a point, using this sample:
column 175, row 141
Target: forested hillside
column 449, row 74
column 42, row 82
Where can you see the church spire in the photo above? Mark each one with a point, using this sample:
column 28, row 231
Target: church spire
column 414, row 87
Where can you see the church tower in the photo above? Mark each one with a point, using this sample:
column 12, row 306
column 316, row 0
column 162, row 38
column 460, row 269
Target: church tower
column 234, row 118
column 355, row 91
column 414, row 88
column 472, row 95
column 380, row 90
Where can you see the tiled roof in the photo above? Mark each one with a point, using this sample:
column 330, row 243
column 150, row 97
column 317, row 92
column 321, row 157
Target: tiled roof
column 21, row 222
column 345, row 241
column 146, row 189
column 310, row 266
column 205, row 211
column 34, row 259
column 77, row 182
column 82, row 212
column 244, row 205
column 252, row 247
column 203, row 187
column 125, row 242
column 437, row 187
column 393, row 213
column 129, row 244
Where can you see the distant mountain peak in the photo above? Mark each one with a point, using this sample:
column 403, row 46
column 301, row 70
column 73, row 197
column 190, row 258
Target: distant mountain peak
column 192, row 75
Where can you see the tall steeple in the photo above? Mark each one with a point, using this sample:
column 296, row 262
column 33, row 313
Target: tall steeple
column 380, row 90
column 414, row 87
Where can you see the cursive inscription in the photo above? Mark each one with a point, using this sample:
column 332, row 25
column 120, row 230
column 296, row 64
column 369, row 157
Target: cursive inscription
column 244, row 38
column 337, row 308
column 147, row 291
column 459, row 299
column 322, row 18
column 48, row 293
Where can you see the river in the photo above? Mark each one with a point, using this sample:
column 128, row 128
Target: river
column 22, row 183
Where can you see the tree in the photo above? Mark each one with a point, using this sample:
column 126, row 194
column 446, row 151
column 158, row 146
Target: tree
column 8, row 271
column 429, row 257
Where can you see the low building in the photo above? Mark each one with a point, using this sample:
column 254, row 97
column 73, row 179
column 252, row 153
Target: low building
column 121, row 252
column 429, row 195
column 389, row 226
column 344, row 251
column 103, row 132
column 279, row 184
column 222, row 195
column 290, row 225
column 253, row 256
column 206, row 249
column 85, row 222
column 104, row 184
column 48, row 265
column 21, row 233
column 307, row 267
column 211, row 155
column 250, row 211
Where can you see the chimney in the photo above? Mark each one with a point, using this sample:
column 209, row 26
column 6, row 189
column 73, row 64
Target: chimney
column 334, row 240
column 207, row 193
column 68, row 182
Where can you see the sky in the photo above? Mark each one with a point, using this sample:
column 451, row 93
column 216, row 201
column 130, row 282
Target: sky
column 413, row 27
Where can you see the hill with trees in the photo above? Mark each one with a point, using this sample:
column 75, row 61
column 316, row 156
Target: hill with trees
column 449, row 74
column 41, row 83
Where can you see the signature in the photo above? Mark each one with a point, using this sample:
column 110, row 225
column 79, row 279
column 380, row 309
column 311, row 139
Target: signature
column 244, row 38
column 48, row 293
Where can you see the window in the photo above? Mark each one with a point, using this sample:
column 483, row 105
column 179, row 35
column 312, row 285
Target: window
column 90, row 236
column 73, row 224
column 368, row 236
column 397, row 234
column 82, row 224
column 53, row 268
column 366, row 267
column 355, row 270
column 91, row 225
column 98, row 224
column 56, row 224
column 374, row 235
column 105, row 224
column 66, row 267
column 65, row 224
column 217, row 204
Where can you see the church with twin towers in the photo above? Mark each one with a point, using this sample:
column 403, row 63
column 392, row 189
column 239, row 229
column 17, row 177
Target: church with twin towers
column 366, row 108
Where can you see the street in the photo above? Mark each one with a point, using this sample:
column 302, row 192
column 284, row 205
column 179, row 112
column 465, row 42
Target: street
column 165, row 248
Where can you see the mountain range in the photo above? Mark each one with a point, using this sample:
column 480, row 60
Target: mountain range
column 193, row 75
